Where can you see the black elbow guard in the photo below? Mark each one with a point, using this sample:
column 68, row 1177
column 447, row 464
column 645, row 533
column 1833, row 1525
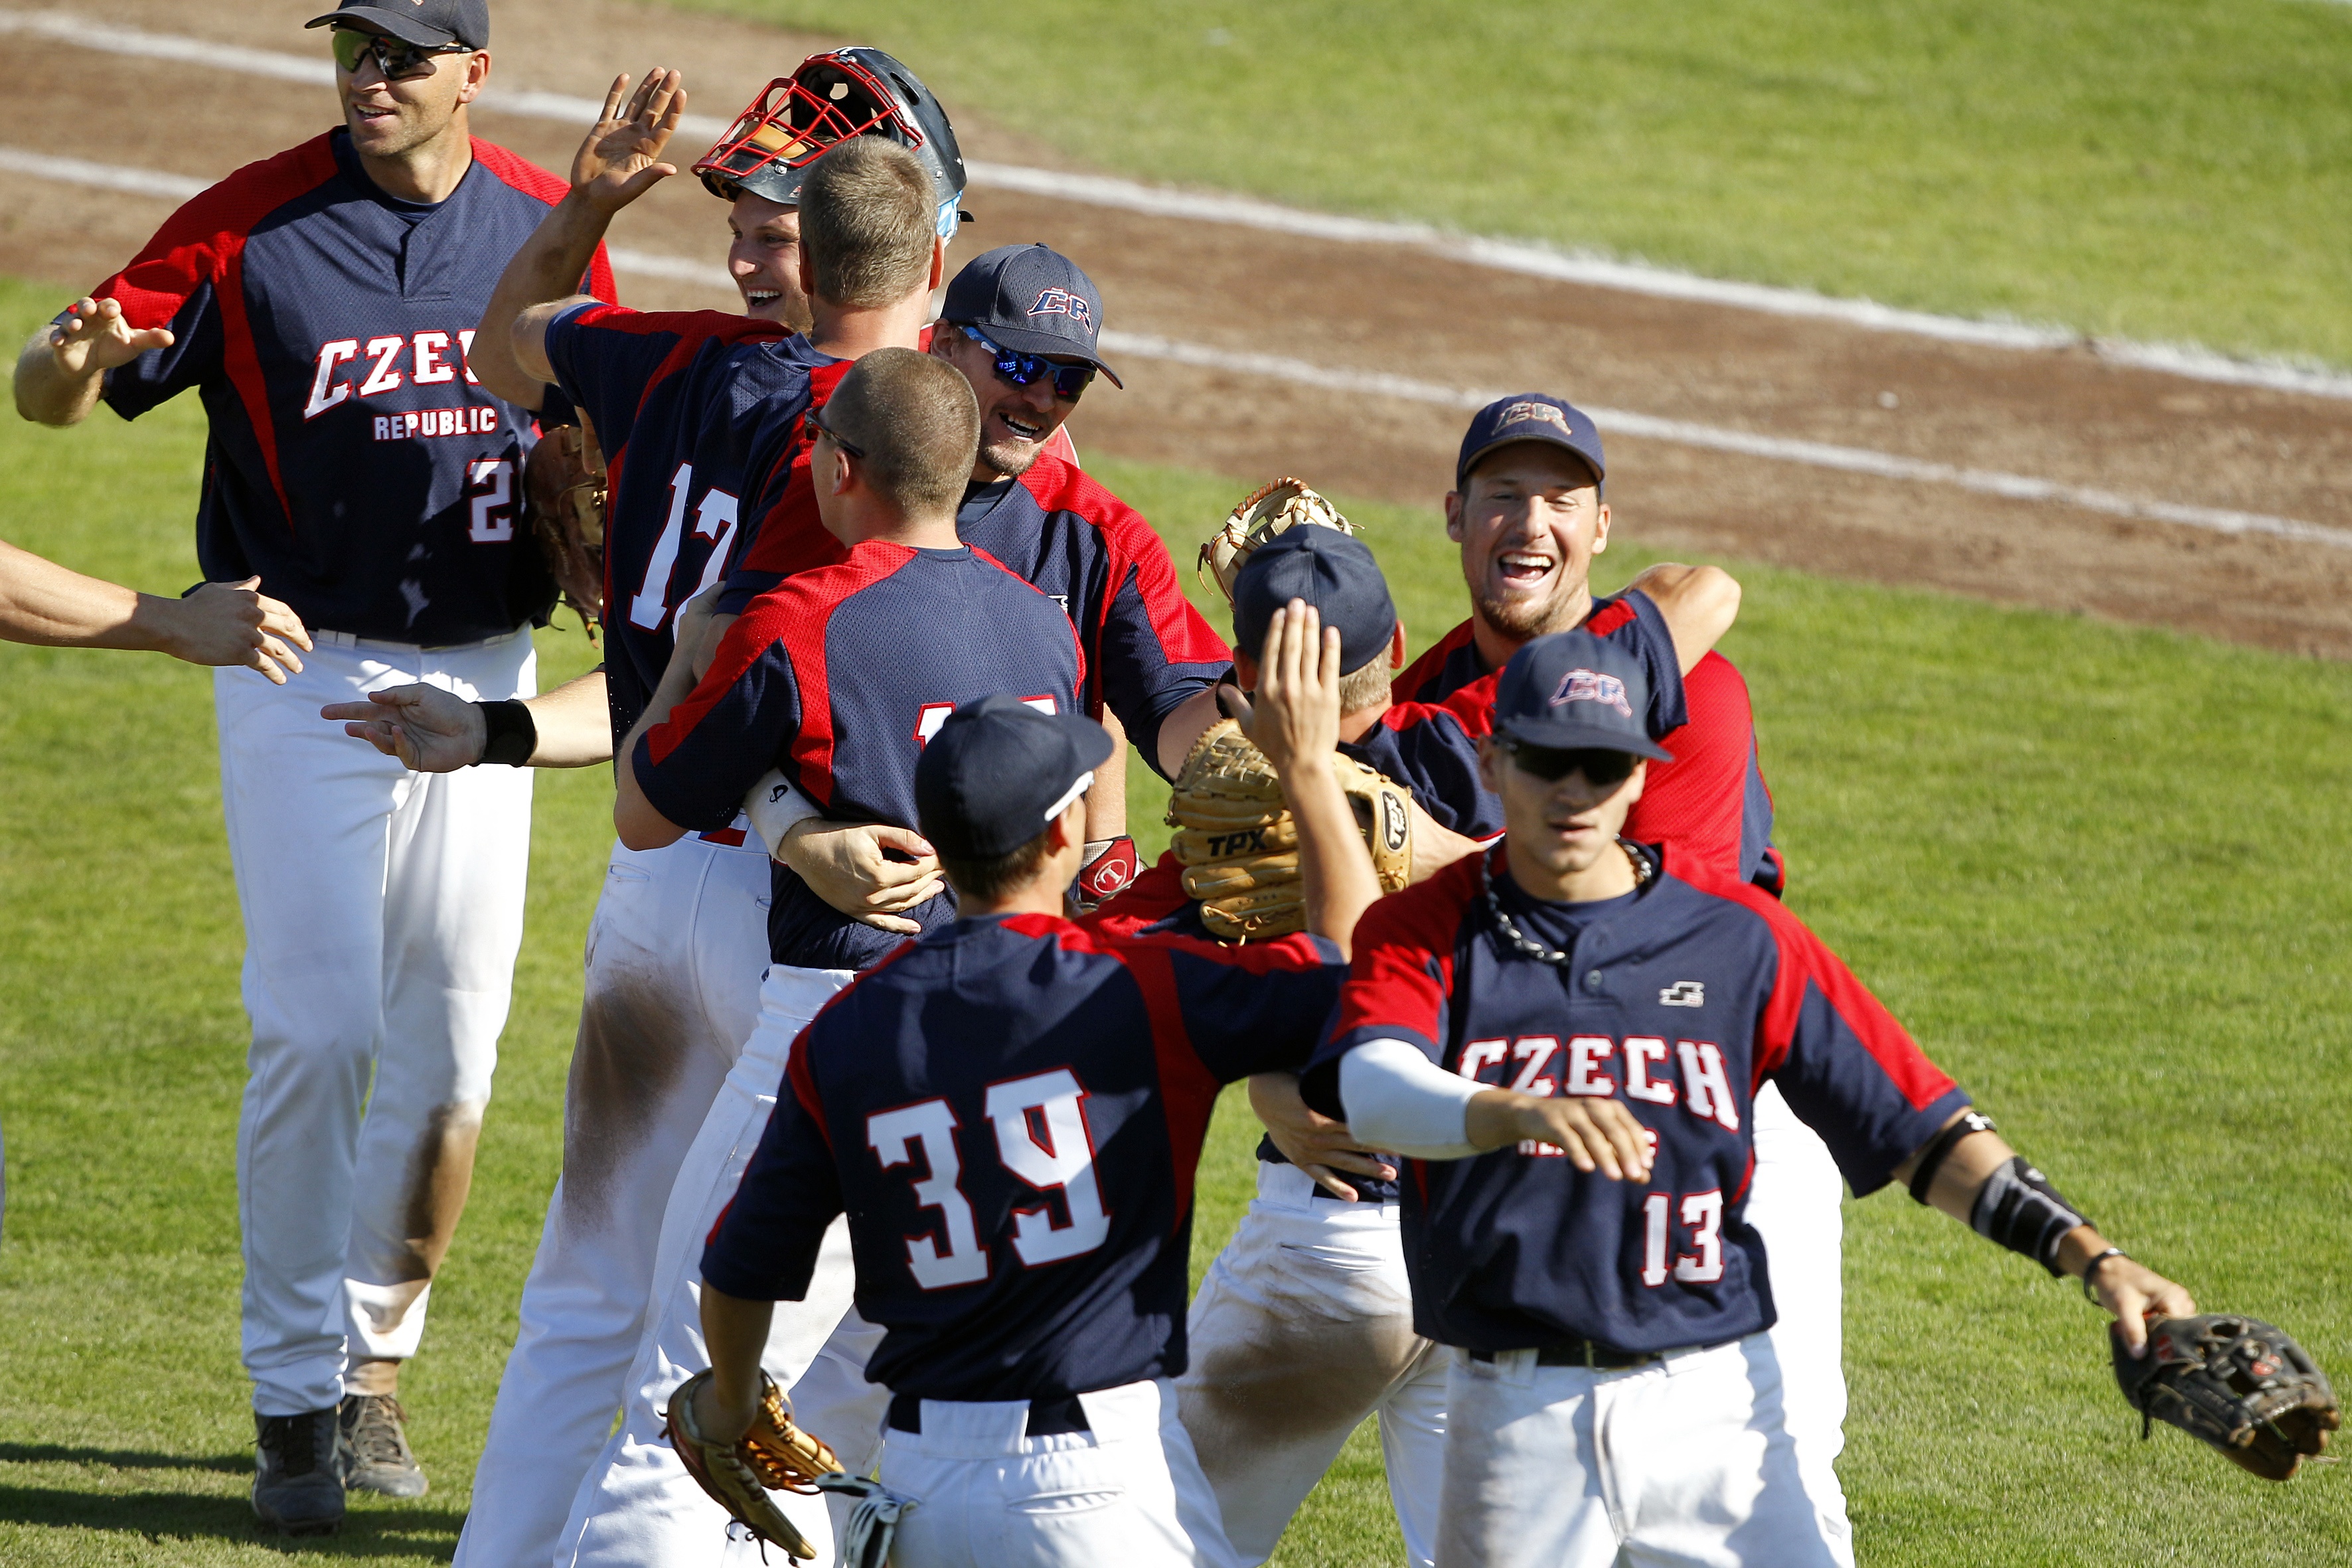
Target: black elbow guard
column 2018, row 1208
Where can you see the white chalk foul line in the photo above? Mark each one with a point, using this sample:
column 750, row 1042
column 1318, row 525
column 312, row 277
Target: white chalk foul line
column 1299, row 372
column 2185, row 359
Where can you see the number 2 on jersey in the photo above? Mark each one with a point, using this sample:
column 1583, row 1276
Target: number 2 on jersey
column 1042, row 1139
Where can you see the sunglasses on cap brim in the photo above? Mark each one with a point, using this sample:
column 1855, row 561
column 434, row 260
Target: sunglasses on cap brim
column 1027, row 370
column 397, row 58
column 1550, row 764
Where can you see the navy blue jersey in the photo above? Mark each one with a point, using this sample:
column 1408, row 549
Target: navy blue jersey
column 838, row 676
column 354, row 464
column 1148, row 650
column 1011, row 1110
column 1432, row 749
column 1710, row 805
column 693, row 410
column 1680, row 1004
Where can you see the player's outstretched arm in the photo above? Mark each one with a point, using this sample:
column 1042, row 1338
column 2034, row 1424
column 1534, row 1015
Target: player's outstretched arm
column 1311, row 1140
column 1398, row 1099
column 1977, row 1178
column 1295, row 723
column 63, row 368
column 618, row 163
column 220, row 623
column 1699, row 603
column 432, row 730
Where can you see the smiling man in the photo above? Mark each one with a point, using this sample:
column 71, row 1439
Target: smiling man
column 321, row 304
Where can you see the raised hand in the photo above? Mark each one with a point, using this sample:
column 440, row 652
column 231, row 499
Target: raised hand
column 1295, row 716
column 621, row 159
column 430, row 731
column 97, row 339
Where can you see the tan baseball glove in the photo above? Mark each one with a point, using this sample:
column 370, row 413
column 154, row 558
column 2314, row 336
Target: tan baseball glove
column 774, row 1455
column 563, row 485
column 1240, row 847
column 1265, row 513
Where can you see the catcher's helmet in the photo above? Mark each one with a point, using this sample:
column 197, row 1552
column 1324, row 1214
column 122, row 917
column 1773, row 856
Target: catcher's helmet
column 831, row 98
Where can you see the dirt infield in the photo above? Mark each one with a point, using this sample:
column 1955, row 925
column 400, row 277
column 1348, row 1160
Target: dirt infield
column 2064, row 415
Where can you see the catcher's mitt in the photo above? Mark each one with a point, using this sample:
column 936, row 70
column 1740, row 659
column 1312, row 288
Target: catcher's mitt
column 1240, row 847
column 774, row 1454
column 2235, row 1383
column 1265, row 512
column 563, row 485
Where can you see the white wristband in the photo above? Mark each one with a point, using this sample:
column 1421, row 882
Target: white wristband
column 1398, row 1099
column 775, row 807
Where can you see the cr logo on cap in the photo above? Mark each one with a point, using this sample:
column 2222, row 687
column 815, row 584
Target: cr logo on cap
column 1520, row 412
column 1062, row 302
column 1591, row 686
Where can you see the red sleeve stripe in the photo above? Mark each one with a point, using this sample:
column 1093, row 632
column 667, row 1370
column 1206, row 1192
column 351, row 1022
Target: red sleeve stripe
column 522, row 174
column 1058, row 484
column 1806, row 963
column 806, row 604
column 1423, row 672
column 1403, row 967
column 1610, row 616
column 803, row 1078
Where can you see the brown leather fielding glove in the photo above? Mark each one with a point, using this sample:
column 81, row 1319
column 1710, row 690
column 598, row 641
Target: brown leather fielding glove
column 774, row 1454
column 1240, row 847
column 1265, row 513
column 2234, row 1383
column 563, row 484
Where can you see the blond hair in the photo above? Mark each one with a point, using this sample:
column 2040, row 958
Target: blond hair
column 914, row 418
column 867, row 223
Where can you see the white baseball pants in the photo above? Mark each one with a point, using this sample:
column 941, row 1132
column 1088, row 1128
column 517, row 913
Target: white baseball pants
column 1303, row 1326
column 1128, row 1492
column 1794, row 1204
column 673, row 959
column 383, row 911
column 636, row 1504
column 1686, row 1463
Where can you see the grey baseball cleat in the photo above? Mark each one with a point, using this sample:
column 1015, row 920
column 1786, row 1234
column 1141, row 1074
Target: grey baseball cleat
column 297, row 1478
column 375, row 1447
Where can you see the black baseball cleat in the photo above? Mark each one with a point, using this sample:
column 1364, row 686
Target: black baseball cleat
column 375, row 1447
column 297, row 1476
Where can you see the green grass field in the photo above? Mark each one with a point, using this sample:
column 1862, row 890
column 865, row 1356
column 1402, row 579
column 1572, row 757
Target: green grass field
column 2164, row 169
column 2097, row 869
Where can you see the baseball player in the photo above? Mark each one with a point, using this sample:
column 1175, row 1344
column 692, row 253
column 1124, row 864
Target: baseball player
column 1021, row 324
column 1303, row 1325
column 824, row 679
column 321, row 302
column 1581, row 1244
column 1528, row 510
column 1030, row 1286
column 691, row 407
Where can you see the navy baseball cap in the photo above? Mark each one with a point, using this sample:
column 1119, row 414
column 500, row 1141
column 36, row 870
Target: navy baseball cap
column 1033, row 299
column 1529, row 416
column 999, row 771
column 1574, row 691
column 425, row 23
column 1332, row 571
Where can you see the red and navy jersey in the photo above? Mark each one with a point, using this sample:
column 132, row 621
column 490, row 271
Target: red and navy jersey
column 1679, row 1001
column 693, row 409
column 1148, row 650
column 1011, row 1110
column 838, row 676
column 354, row 464
column 1710, row 805
column 1432, row 749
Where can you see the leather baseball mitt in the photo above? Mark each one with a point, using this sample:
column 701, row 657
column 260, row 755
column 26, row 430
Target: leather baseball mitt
column 563, row 485
column 2237, row 1383
column 1240, row 847
column 774, row 1454
column 1265, row 512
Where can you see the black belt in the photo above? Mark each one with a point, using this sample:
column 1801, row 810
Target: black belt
column 1589, row 1353
column 1047, row 1418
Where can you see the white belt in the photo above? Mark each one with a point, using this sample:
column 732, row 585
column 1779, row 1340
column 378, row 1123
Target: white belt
column 322, row 638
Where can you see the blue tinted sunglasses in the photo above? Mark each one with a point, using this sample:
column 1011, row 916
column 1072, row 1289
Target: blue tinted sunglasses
column 1027, row 370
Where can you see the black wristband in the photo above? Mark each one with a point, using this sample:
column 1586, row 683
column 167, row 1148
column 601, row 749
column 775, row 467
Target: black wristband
column 2018, row 1208
column 509, row 734
column 1931, row 1158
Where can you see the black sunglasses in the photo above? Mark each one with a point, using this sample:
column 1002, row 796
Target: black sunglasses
column 830, row 434
column 1601, row 767
column 1027, row 370
column 397, row 58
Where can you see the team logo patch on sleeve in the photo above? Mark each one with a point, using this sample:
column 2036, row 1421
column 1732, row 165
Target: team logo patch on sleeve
column 1591, row 686
column 1062, row 302
column 1684, row 993
column 1521, row 413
